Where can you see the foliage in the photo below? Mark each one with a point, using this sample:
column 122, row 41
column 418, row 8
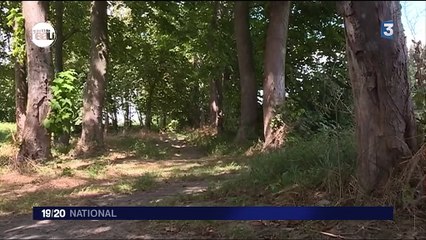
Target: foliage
column 7, row 98
column 65, row 104
column 15, row 20
column 316, row 74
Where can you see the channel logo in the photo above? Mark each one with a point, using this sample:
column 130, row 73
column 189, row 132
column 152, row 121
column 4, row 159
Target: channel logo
column 43, row 35
column 386, row 29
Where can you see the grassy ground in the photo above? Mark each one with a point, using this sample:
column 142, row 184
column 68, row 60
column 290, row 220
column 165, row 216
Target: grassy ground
column 195, row 169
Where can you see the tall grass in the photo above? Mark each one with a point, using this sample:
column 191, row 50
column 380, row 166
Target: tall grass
column 216, row 145
column 326, row 161
column 7, row 146
column 7, row 130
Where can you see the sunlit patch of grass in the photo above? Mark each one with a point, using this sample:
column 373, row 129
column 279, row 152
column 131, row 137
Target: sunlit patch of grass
column 24, row 204
column 8, row 148
column 91, row 190
column 194, row 173
column 96, row 169
column 141, row 183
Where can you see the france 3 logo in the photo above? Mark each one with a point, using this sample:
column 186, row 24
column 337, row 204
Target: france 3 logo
column 386, row 29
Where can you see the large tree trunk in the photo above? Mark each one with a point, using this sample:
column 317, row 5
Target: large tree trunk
column 21, row 91
column 248, row 111
column 378, row 72
column 36, row 138
column 274, row 70
column 94, row 92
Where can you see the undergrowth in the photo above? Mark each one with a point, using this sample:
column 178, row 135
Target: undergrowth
column 324, row 162
column 216, row 145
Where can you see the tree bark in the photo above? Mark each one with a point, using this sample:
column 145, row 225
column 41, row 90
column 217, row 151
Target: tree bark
column 140, row 117
column 106, row 125
column 248, row 111
column 64, row 138
column 149, row 100
column 274, row 70
column 164, row 121
column 127, row 117
column 21, row 91
column 378, row 71
column 59, row 13
column 36, row 138
column 94, row 93
column 114, row 118
column 219, row 86
column 216, row 95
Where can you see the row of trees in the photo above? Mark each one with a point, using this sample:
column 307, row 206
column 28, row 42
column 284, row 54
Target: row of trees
column 179, row 61
column 33, row 133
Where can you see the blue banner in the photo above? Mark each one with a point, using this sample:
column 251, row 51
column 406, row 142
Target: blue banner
column 213, row 213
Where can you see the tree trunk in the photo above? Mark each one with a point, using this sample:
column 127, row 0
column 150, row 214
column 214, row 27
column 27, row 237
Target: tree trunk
column 248, row 113
column 127, row 120
column 36, row 138
column 106, row 125
column 274, row 70
column 114, row 118
column 378, row 72
column 21, row 91
column 164, row 121
column 59, row 13
column 196, row 116
column 94, row 93
column 216, row 105
column 148, row 115
column 220, row 115
column 64, row 138
column 140, row 116
column 216, row 108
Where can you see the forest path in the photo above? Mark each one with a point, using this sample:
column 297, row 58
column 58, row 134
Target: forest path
column 181, row 170
column 152, row 170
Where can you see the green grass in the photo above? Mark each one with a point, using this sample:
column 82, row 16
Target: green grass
column 141, row 183
column 150, row 150
column 325, row 161
column 96, row 169
column 7, row 147
column 6, row 132
column 217, row 145
column 206, row 171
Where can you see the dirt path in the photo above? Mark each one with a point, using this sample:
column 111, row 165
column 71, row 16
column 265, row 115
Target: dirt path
column 23, row 227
